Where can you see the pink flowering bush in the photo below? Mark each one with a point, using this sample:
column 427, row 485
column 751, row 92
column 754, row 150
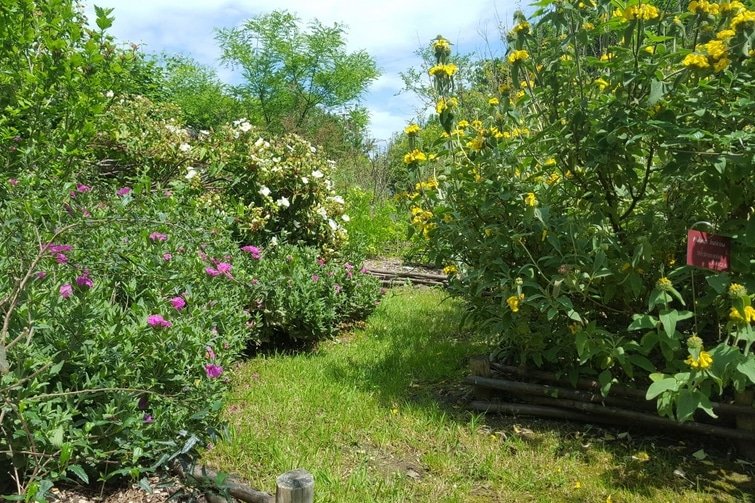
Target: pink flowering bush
column 92, row 303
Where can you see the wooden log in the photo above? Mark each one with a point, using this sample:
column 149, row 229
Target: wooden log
column 589, row 384
column 408, row 274
column 522, row 409
column 296, row 486
column 612, row 415
column 236, row 489
column 745, row 423
column 521, row 388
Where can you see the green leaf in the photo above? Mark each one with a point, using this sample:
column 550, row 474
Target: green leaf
column 747, row 367
column 56, row 436
column 658, row 387
column 80, row 473
column 642, row 322
column 605, row 379
column 668, row 319
column 719, row 282
column 686, row 405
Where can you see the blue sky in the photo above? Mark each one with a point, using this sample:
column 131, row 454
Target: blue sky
column 389, row 30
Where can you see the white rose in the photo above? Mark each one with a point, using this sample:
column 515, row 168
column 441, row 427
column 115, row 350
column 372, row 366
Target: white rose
column 184, row 147
column 332, row 223
column 345, row 217
column 283, row 202
column 264, row 191
column 337, row 199
column 304, row 180
column 191, row 172
column 317, row 174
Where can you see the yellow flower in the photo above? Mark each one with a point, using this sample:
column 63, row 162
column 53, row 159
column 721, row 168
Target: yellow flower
column 578, row 485
column 514, row 301
column 587, row 26
column 644, row 12
column 477, row 143
column 703, row 7
column 650, row 49
column 565, row 57
column 749, row 315
column 442, row 46
column 450, row 269
column 412, row 129
column 601, row 83
column 415, row 155
column 530, row 199
column 725, row 34
column 695, row 60
column 493, row 101
column 742, row 18
column 550, row 162
column 516, row 56
column 606, row 57
column 702, row 362
column 477, row 125
column 664, row 284
column 736, row 291
column 716, row 49
column 446, row 70
column 734, row 6
column 553, row 178
column 523, row 28
column 463, row 123
column 721, row 64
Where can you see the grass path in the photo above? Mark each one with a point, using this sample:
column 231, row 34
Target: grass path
column 374, row 417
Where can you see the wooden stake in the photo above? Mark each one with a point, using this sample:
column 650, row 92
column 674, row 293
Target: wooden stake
column 296, row 486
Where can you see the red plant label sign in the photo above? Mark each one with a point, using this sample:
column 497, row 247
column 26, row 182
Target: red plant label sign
column 708, row 250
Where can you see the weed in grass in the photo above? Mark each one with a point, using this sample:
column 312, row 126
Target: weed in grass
column 372, row 417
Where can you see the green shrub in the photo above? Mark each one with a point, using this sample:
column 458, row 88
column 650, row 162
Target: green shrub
column 304, row 297
column 375, row 227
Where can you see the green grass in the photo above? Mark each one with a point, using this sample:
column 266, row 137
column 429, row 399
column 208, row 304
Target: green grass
column 375, row 416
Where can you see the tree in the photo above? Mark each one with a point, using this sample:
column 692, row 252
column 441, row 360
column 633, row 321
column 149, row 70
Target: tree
column 204, row 100
column 290, row 73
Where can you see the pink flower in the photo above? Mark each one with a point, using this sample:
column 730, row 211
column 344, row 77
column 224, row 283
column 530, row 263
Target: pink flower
column 337, row 288
column 61, row 258
column 252, row 250
column 83, row 188
column 315, row 278
column 41, row 274
column 224, row 267
column 13, row 181
column 85, row 280
column 320, row 261
column 157, row 321
column 212, row 272
column 86, row 213
column 178, row 303
column 213, row 371
column 158, row 236
column 363, row 270
column 210, row 353
column 123, row 191
column 148, row 419
column 167, row 257
column 66, row 290
column 52, row 248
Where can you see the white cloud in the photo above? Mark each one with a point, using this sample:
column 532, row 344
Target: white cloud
column 389, row 30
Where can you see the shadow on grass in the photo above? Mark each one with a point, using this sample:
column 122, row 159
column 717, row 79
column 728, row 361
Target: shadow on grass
column 417, row 354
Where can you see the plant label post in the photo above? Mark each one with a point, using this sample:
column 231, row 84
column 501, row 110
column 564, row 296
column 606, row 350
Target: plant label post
column 708, row 251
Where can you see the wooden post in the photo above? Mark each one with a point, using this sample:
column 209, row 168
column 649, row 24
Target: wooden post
column 479, row 366
column 296, row 486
